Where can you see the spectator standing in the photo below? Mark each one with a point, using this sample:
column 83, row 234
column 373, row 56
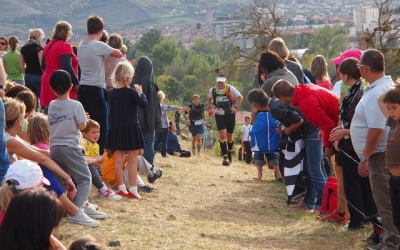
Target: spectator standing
column 92, row 89
column 321, row 108
column 369, row 135
column 177, row 117
column 278, row 46
column 150, row 118
column 58, row 54
column 11, row 61
column 245, row 138
column 31, row 57
column 3, row 47
column 319, row 68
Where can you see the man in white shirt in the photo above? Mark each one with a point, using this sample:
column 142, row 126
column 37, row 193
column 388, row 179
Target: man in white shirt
column 369, row 136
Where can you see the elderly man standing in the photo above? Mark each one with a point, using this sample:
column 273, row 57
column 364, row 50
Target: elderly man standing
column 369, row 136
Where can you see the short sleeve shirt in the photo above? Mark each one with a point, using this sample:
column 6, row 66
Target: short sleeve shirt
column 369, row 115
column 91, row 149
column 91, row 57
column 246, row 132
column 64, row 117
column 392, row 156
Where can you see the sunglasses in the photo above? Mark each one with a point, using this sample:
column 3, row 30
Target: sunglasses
column 3, row 43
column 361, row 65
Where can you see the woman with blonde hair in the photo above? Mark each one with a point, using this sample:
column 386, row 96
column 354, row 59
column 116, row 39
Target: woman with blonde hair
column 319, row 68
column 11, row 62
column 58, row 54
column 278, row 46
column 30, row 60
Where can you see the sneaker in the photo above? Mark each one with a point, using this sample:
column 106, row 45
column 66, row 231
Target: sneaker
column 230, row 156
column 375, row 247
column 193, row 151
column 132, row 196
column 94, row 213
column 225, row 161
column 333, row 218
column 110, row 195
column 198, row 153
column 122, row 193
column 94, row 206
column 177, row 154
column 152, row 179
column 82, row 219
column 146, row 189
column 373, row 239
column 159, row 173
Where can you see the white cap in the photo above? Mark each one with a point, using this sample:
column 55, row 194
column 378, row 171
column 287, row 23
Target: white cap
column 221, row 79
column 27, row 173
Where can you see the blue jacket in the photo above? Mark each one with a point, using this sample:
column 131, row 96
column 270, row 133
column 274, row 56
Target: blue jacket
column 264, row 138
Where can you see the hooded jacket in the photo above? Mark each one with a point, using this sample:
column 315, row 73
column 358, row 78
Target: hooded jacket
column 150, row 118
column 276, row 75
column 319, row 106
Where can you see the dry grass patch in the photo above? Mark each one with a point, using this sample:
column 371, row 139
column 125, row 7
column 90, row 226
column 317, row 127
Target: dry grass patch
column 200, row 204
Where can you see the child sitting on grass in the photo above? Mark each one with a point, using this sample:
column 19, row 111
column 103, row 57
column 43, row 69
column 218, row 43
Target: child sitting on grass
column 89, row 145
column 108, row 172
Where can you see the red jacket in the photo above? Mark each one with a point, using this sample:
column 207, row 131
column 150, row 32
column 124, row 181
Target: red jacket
column 319, row 106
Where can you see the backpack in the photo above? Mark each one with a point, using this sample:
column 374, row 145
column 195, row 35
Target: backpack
column 329, row 197
column 228, row 94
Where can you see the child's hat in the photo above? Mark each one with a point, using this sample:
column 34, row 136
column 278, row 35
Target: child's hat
column 27, row 174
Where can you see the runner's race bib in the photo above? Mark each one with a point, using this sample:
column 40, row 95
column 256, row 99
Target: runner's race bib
column 219, row 111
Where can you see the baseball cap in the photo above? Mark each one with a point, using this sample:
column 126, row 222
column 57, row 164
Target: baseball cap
column 27, row 173
column 348, row 53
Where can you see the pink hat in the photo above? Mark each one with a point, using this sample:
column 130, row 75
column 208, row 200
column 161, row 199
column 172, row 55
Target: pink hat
column 348, row 53
column 27, row 173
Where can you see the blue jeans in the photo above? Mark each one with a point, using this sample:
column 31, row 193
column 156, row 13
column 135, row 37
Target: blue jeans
column 33, row 82
column 148, row 136
column 4, row 161
column 313, row 163
column 162, row 136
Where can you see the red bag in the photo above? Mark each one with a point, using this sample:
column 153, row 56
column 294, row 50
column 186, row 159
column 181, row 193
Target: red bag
column 329, row 197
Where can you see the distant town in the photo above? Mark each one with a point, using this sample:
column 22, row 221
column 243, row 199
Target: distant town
column 299, row 16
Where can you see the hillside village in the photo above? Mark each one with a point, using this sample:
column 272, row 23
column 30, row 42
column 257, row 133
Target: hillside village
column 184, row 20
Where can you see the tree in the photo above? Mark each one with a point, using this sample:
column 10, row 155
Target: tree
column 131, row 52
column 148, row 40
column 386, row 36
column 177, row 68
column 163, row 53
column 328, row 41
column 259, row 21
column 173, row 89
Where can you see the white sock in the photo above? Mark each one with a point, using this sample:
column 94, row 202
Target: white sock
column 133, row 190
column 103, row 189
column 122, row 188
